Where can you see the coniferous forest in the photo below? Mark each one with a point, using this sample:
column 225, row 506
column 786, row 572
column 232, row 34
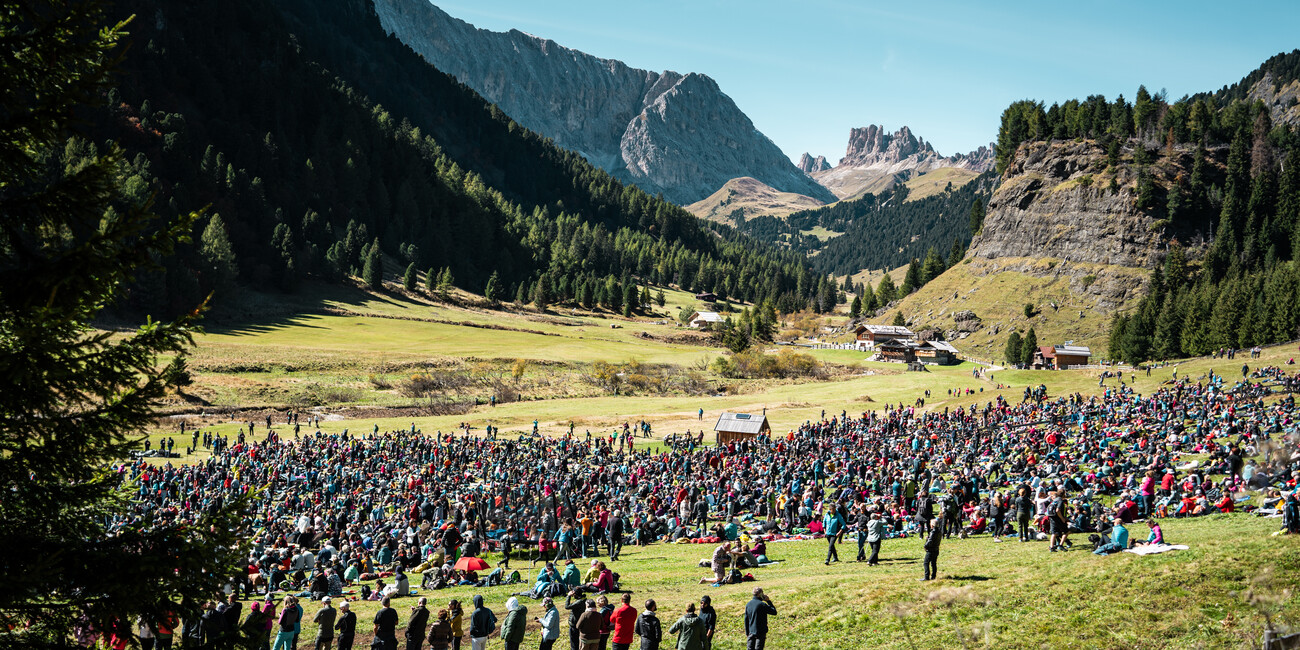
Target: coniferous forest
column 322, row 146
column 1240, row 288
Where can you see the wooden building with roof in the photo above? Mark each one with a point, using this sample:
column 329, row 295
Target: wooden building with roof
column 741, row 426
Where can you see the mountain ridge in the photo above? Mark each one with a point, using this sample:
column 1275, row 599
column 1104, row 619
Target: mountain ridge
column 876, row 159
column 666, row 132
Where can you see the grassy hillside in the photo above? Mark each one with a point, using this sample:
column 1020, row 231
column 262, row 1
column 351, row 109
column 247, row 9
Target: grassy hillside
column 752, row 198
column 997, row 292
column 937, row 181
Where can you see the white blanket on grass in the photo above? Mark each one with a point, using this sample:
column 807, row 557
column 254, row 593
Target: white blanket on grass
column 1152, row 549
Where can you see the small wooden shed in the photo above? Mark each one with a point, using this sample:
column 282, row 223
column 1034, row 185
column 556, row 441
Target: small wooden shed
column 741, row 426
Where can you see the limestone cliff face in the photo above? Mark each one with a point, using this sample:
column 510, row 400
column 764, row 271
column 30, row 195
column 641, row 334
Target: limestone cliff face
column 876, row 159
column 1044, row 209
column 666, row 132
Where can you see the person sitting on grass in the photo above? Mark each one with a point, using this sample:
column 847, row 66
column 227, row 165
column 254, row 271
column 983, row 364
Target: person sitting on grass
column 1118, row 539
column 1157, row 535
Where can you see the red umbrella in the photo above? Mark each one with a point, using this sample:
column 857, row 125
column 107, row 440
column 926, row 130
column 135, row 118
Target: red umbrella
column 471, row 564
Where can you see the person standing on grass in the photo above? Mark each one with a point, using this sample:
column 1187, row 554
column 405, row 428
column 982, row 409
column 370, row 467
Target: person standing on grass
column 346, row 626
column 416, row 626
column 440, row 632
column 386, row 625
column 756, row 612
column 930, row 566
column 689, row 629
column 709, row 617
column 324, row 621
column 624, row 623
column 1024, row 510
column 860, row 521
column 482, row 622
column 833, row 522
column 588, row 627
column 550, row 623
column 1058, row 520
column 648, row 627
column 512, row 630
column 288, row 618
column 875, row 533
column 576, row 610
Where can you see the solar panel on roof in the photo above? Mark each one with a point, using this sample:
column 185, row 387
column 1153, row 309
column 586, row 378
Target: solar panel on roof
column 742, row 416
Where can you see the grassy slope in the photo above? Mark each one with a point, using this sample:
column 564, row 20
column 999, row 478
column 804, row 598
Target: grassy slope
column 934, row 182
column 999, row 298
column 752, row 196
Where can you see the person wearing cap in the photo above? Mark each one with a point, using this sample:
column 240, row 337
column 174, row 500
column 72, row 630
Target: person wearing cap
column 1118, row 539
column 512, row 630
column 346, row 626
column 416, row 626
column 324, row 621
column 709, row 617
column 550, row 623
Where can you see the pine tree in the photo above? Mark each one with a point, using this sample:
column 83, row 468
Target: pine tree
column 446, row 283
column 522, row 292
column 913, row 280
column 645, row 297
column 1012, row 354
column 956, row 253
column 977, row 216
column 541, row 293
column 1028, row 346
column 218, row 257
column 629, row 299
column 373, row 273
column 408, row 278
column 855, row 310
column 660, row 299
column 899, row 321
column 73, row 401
column 1168, row 343
column 493, row 289
column 932, row 267
column 885, row 291
column 868, row 296
column 431, row 281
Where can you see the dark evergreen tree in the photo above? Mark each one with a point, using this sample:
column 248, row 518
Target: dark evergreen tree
column 1013, row 350
column 409, row 278
column 74, row 401
column 373, row 273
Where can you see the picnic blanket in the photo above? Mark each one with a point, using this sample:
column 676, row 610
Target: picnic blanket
column 1153, row 549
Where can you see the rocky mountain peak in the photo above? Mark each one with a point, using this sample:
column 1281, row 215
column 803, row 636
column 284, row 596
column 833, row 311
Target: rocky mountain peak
column 875, row 159
column 808, row 164
column 666, row 132
column 873, row 144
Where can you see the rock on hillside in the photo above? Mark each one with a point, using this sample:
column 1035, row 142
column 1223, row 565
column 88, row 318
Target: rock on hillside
column 665, row 132
column 1059, row 236
column 748, row 198
column 876, row 159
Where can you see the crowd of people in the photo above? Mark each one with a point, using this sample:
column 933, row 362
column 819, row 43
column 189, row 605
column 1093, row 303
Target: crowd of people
column 334, row 509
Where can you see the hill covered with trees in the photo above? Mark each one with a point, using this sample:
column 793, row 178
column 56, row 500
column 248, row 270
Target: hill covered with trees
column 322, row 145
column 1229, row 275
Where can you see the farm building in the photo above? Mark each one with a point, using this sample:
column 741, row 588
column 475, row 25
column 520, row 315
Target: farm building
column 740, row 426
column 937, row 353
column 706, row 296
column 705, row 319
column 869, row 336
column 1061, row 357
column 1068, row 356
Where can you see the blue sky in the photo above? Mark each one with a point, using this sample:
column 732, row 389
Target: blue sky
column 807, row 72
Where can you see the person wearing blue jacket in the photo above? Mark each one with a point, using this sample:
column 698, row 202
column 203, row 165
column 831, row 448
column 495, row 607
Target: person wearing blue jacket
column 834, row 523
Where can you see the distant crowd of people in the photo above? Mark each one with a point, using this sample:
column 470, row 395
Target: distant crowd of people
column 336, row 509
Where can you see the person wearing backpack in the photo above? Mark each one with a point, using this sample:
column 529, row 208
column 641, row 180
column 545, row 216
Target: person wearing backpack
column 649, row 628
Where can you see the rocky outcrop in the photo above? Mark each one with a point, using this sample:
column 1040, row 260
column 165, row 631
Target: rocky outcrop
column 668, row 133
column 1282, row 99
column 876, row 159
column 741, row 199
column 1061, row 200
column 808, row 164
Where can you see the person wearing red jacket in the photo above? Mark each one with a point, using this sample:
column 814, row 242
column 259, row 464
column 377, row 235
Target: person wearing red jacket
column 624, row 621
